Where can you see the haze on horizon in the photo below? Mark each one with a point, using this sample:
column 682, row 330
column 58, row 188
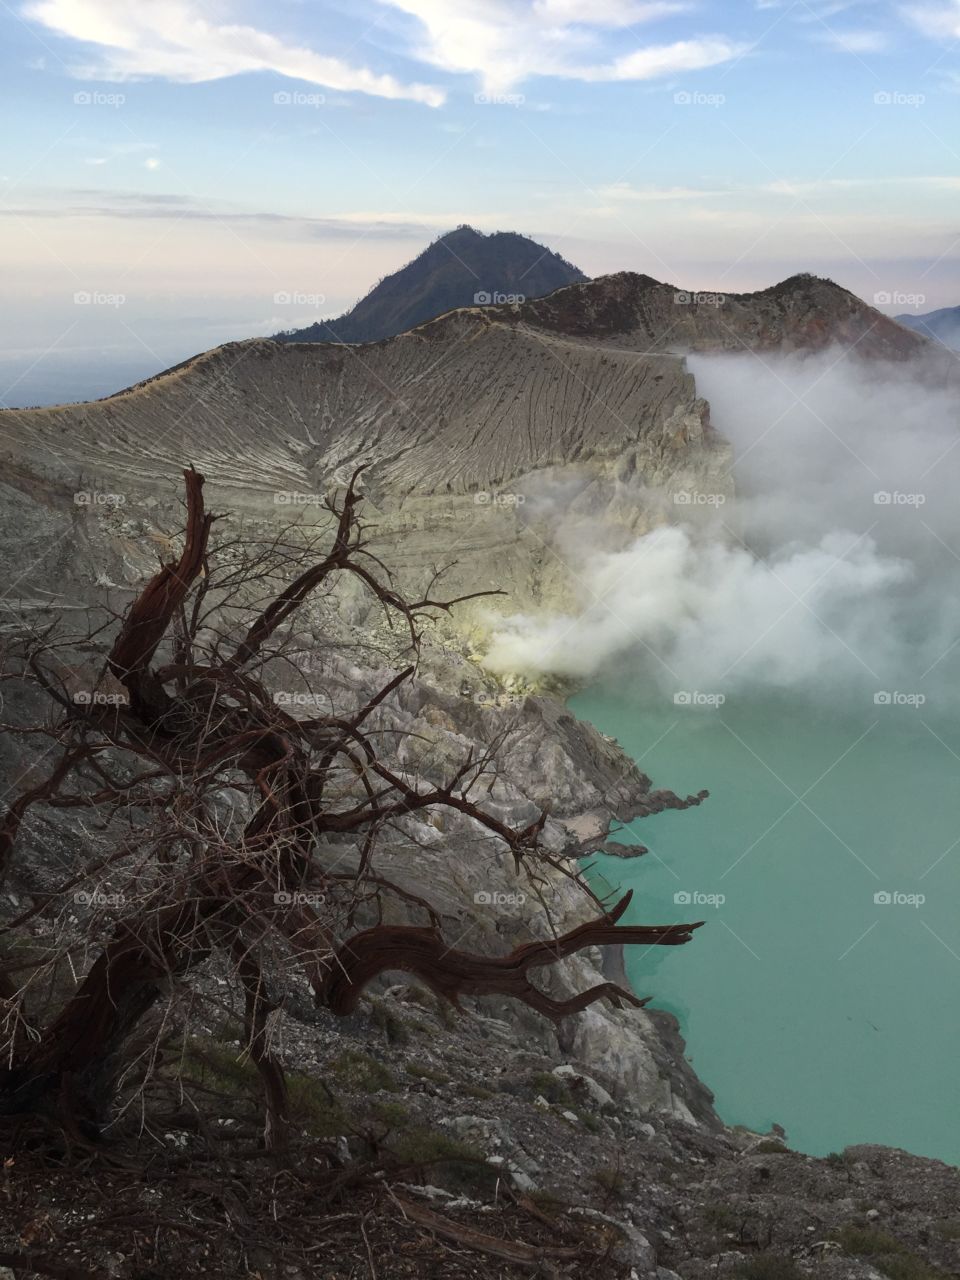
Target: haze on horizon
column 196, row 159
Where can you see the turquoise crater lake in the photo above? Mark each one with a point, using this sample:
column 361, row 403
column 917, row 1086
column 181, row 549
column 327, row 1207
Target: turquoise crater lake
column 824, row 992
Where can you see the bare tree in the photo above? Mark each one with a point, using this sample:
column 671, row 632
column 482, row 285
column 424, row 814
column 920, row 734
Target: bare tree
column 213, row 809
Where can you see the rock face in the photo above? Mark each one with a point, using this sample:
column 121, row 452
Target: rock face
column 461, row 269
column 802, row 313
column 481, row 433
column 474, row 433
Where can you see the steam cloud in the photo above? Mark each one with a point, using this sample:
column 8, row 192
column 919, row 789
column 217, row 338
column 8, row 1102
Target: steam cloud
column 838, row 566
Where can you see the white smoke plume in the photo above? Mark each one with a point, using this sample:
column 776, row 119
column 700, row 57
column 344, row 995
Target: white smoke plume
column 838, row 566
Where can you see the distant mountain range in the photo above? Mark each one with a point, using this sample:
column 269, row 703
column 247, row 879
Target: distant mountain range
column 943, row 325
column 464, row 268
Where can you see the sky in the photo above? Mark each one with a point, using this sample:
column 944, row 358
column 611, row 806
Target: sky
column 172, row 171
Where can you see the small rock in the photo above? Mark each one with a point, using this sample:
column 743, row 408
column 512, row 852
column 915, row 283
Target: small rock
column 595, row 1092
column 636, row 1250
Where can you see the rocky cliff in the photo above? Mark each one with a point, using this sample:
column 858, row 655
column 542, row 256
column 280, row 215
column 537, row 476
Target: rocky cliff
column 475, row 430
column 472, row 432
column 802, row 313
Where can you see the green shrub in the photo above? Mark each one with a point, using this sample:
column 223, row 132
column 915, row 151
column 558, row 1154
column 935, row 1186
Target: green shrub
column 391, row 1024
column 421, row 1072
column 768, row 1266
column 314, row 1108
column 867, row 1242
column 886, row 1253
column 552, row 1088
column 356, row 1070
column 611, row 1179
column 393, row 1114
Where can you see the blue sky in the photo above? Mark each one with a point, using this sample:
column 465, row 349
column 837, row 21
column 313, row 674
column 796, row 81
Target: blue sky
column 183, row 162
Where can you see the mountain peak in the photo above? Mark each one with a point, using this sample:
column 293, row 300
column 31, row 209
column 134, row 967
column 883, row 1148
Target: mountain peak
column 462, row 268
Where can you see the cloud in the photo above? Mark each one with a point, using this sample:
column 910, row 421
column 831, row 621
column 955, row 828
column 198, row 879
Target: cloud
column 833, row 572
column 505, row 42
column 941, row 21
column 654, row 195
column 86, row 202
column 606, row 13
column 863, row 41
column 176, row 40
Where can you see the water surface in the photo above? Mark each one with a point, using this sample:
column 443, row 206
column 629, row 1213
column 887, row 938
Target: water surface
column 806, row 1000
